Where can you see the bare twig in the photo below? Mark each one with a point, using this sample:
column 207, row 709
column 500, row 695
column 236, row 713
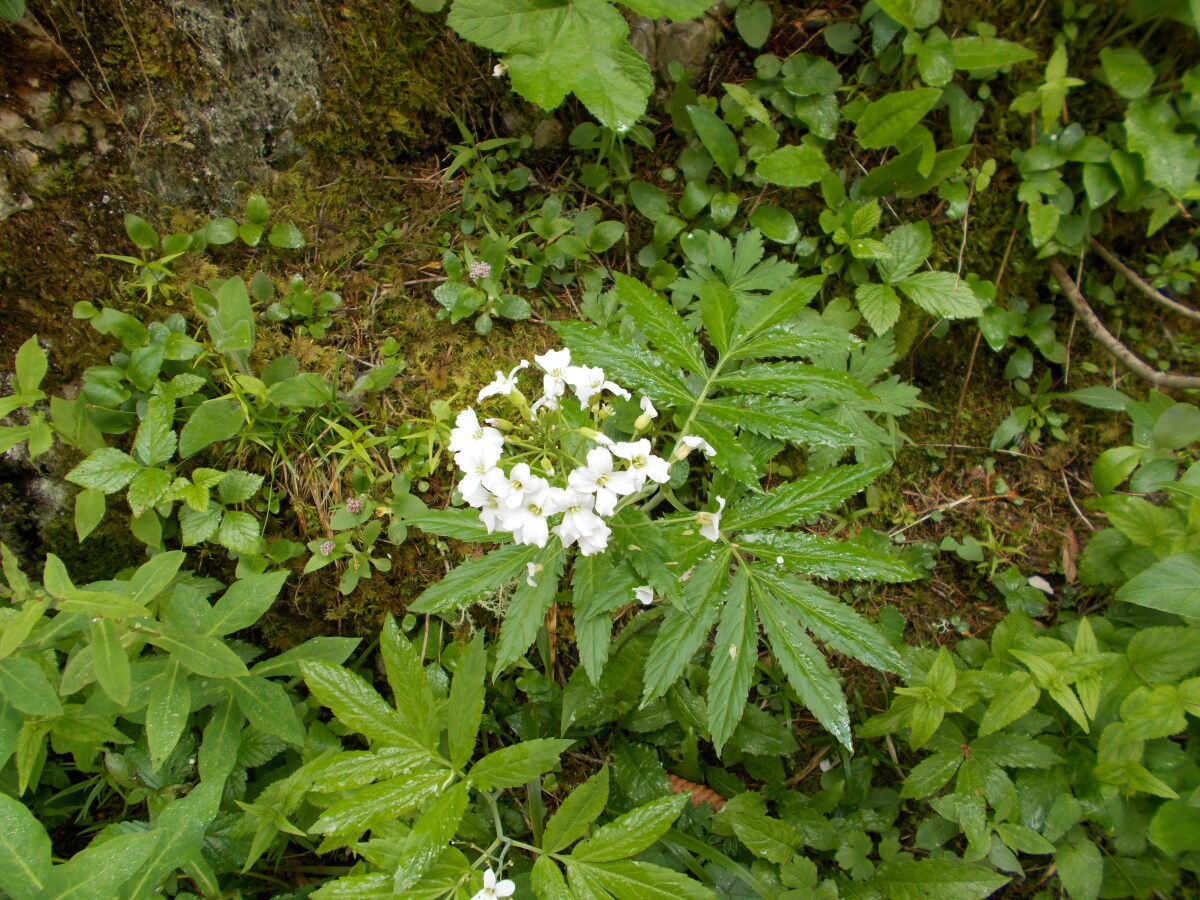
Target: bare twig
column 1142, row 285
column 1119, row 351
column 1086, row 521
column 945, row 507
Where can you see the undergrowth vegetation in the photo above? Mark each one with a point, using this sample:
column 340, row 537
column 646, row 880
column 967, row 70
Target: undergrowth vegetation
column 649, row 610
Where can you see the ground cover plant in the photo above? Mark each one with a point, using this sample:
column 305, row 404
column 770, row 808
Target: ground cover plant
column 622, row 505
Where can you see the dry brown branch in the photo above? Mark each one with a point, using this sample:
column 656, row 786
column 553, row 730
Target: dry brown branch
column 1142, row 285
column 1119, row 351
column 700, row 793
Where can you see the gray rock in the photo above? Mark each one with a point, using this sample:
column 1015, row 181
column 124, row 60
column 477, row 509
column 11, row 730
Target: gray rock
column 662, row 42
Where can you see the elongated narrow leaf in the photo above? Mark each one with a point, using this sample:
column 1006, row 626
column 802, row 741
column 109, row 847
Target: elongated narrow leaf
column 24, row 850
column 716, row 137
column 597, row 591
column 830, row 620
column 800, row 500
column 735, row 649
column 796, row 380
column 718, row 312
column 356, row 704
column 757, row 314
column 330, row 649
column 167, row 713
column 626, row 364
column 631, row 878
column 887, row 120
column 527, row 609
column 660, row 323
column 346, row 821
column 822, row 557
column 577, row 812
column 777, row 418
column 200, row 653
column 631, row 833
column 411, row 692
column 109, row 660
column 25, row 686
column 730, row 456
column 469, row 581
column 687, row 625
column 348, row 770
column 465, row 711
column 804, row 666
column 517, row 764
column 100, row 871
column 1172, row 585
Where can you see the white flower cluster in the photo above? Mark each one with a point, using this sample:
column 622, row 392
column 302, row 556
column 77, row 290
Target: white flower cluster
column 515, row 499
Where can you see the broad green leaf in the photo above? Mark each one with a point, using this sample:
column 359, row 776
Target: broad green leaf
column 914, row 15
column 460, row 524
column 18, row 627
column 1172, row 585
column 1175, row 828
column 167, row 714
column 942, row 294
column 804, row 666
column 308, row 389
column 430, row 836
column 141, row 232
column 526, row 612
column 212, row 421
column 229, row 318
column 930, row 775
column 335, row 650
column 577, row 812
column 887, row 120
column 1081, row 869
column 199, row 653
column 355, row 704
column 660, row 323
column 268, row 707
column 775, row 223
column 679, row 10
column 100, row 872
column 411, row 693
column 109, row 660
column 1171, row 159
column 106, row 470
column 286, row 236
column 1126, row 71
column 687, row 625
column 879, row 305
column 821, row 557
column 548, row 881
column 482, row 575
column 909, row 246
column 650, row 201
column 946, row 878
column 800, row 500
column 627, row 364
column 1113, row 466
column 517, row 764
column 972, row 53
column 1164, row 653
column 258, row 211
column 793, row 166
column 240, row 532
column 778, row 418
column 465, row 710
column 146, row 490
column 90, row 507
column 243, row 603
column 718, row 140
column 220, row 231
column 12, row 10
column 31, row 365
column 734, row 652
column 631, row 833
column 24, row 685
column 24, row 850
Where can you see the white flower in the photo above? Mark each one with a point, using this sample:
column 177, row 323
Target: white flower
column 710, row 522
column 531, row 569
column 598, row 478
column 528, row 521
column 689, row 443
column 511, row 488
column 547, row 402
column 499, row 71
column 468, row 431
column 491, row 513
column 503, row 385
column 588, row 381
column 493, row 889
column 555, row 364
column 642, row 463
column 644, row 594
column 596, row 542
column 476, row 462
column 578, row 519
column 648, row 413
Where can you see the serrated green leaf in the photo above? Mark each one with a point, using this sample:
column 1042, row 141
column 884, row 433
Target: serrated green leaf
column 946, row 878
column 196, row 527
column 660, row 323
column 687, row 625
column 526, row 612
column 267, row 707
column 356, row 704
column 821, row 557
column 517, row 764
column 106, row 470
column 879, row 305
column 731, row 455
column 718, row 312
column 464, row 584
column 579, row 810
column 411, row 693
column 734, row 653
column 240, row 532
column 804, row 666
column 793, row 166
column 757, row 314
column 430, row 836
column 626, row 363
column 1018, row 695
column 796, row 380
column 631, row 833
column 800, row 500
column 942, row 294
column 465, row 710
column 778, row 418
